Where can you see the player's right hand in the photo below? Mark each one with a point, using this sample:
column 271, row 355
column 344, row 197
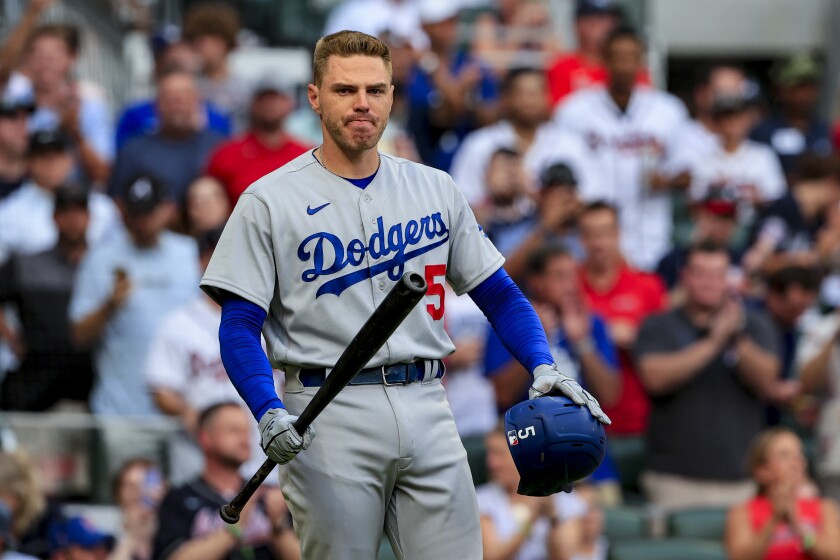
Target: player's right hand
column 279, row 439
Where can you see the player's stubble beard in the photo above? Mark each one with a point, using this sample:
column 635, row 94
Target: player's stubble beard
column 343, row 137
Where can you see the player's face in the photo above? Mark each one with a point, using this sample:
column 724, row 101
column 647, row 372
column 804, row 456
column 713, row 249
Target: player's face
column 354, row 101
column 705, row 279
column 500, row 464
column 599, row 236
column 784, row 463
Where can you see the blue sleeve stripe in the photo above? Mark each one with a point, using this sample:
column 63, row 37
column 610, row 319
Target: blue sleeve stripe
column 513, row 319
column 243, row 357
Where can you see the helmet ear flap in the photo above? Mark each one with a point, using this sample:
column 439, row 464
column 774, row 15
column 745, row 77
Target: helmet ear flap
column 553, row 442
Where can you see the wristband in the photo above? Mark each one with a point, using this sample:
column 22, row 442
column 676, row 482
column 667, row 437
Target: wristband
column 808, row 541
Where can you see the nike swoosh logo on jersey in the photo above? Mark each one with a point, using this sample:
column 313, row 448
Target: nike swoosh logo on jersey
column 312, row 211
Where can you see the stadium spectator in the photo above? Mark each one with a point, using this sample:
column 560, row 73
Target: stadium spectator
column 798, row 222
column 526, row 128
column 138, row 489
column 396, row 139
column 177, row 153
column 13, row 44
column 77, row 538
column 207, row 206
column 124, row 289
column 515, row 33
column 15, row 108
column 795, row 128
column 818, row 369
column 7, row 541
column 450, row 94
column 39, row 286
column 27, row 214
column 141, row 118
column 212, row 29
column 555, row 220
column 594, row 21
column 716, row 82
column 791, row 292
column 710, row 349
column 592, row 544
column 79, row 108
column 579, row 341
column 749, row 171
column 514, row 526
column 184, row 371
column 265, row 147
column 21, row 493
column 469, row 392
column 189, row 526
column 624, row 297
column 507, row 212
column 632, row 134
column 782, row 521
column 713, row 221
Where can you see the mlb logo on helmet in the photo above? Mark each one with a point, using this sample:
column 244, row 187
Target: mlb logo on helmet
column 554, row 442
column 512, row 438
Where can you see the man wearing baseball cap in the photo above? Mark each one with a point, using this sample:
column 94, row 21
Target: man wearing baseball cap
column 264, row 147
column 16, row 105
column 77, row 539
column 124, row 289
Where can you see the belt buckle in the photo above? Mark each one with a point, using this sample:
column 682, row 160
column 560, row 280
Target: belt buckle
column 385, row 378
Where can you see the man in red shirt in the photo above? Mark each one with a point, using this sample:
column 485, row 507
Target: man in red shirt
column 594, row 20
column 261, row 150
column 624, row 297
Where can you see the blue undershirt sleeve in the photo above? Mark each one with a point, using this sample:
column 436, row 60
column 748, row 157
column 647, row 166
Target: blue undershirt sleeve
column 243, row 355
column 513, row 319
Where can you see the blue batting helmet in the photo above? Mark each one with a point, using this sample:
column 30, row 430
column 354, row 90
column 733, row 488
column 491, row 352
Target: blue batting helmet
column 554, row 442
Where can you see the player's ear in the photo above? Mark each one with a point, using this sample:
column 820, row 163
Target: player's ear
column 312, row 93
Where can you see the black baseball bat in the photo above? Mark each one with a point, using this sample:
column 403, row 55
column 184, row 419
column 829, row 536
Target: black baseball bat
column 385, row 319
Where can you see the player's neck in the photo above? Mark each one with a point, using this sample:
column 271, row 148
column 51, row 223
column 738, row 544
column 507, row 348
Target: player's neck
column 350, row 165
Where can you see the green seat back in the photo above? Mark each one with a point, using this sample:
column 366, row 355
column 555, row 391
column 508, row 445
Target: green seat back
column 698, row 523
column 621, row 523
column 667, row 549
column 628, row 453
column 477, row 458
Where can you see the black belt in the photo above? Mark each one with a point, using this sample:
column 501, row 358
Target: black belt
column 395, row 374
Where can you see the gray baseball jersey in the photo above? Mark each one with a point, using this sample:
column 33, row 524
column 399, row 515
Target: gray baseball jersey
column 319, row 255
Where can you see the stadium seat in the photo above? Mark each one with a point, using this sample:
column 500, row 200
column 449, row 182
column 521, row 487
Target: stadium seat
column 477, row 458
column 628, row 453
column 698, row 523
column 622, row 523
column 667, row 549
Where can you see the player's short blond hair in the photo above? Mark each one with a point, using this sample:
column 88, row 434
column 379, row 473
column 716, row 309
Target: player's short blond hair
column 346, row 44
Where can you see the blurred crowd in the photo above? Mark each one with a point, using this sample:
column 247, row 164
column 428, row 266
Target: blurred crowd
column 682, row 254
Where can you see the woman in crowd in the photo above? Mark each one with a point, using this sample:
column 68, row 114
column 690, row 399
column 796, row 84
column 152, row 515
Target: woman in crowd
column 138, row 488
column 785, row 521
column 515, row 527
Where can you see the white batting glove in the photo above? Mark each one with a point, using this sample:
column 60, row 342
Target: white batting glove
column 279, row 439
column 548, row 379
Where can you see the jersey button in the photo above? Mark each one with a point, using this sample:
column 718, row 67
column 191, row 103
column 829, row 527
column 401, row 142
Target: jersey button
column 382, row 285
column 367, row 198
column 373, row 220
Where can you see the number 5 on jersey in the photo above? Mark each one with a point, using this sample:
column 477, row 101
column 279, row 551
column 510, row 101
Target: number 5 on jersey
column 436, row 288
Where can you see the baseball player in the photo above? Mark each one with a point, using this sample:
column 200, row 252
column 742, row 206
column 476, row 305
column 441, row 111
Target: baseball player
column 310, row 251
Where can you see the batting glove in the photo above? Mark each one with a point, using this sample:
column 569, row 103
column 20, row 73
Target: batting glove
column 548, row 379
column 279, row 439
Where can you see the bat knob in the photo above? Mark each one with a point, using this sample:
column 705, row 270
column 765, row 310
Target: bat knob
column 229, row 514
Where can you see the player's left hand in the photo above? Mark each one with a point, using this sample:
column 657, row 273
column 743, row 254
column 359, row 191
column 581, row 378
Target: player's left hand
column 548, row 379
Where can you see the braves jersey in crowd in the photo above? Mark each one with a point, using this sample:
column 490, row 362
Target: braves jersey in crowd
column 629, row 146
column 320, row 254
